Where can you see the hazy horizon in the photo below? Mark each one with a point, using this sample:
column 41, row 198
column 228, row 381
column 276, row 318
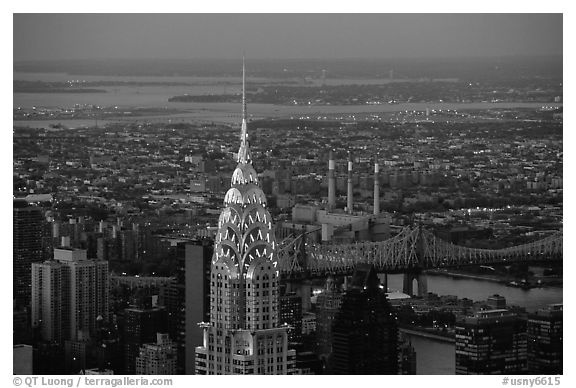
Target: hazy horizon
column 295, row 59
column 87, row 37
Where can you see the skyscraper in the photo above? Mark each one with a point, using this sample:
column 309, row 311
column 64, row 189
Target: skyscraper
column 28, row 227
column 243, row 335
column 88, row 287
column 491, row 342
column 327, row 306
column 365, row 333
column 141, row 325
column 69, row 293
column 290, row 306
column 544, row 330
column 47, row 314
column 197, row 263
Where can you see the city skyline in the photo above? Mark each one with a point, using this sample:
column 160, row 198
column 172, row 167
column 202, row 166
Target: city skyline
column 378, row 216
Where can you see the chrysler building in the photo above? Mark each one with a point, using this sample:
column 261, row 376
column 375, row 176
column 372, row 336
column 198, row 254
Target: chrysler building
column 243, row 335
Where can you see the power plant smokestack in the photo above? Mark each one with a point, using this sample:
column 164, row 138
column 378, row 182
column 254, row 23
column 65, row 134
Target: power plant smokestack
column 376, row 188
column 331, row 182
column 349, row 183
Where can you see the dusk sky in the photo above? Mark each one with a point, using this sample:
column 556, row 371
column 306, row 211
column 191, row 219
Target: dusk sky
column 129, row 36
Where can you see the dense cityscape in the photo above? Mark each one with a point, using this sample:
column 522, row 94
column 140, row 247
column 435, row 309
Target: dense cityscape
column 415, row 239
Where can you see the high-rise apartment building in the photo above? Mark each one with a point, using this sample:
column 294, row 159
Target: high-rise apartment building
column 244, row 335
column 28, row 233
column 69, row 294
column 47, row 299
column 491, row 342
column 365, row 333
column 545, row 339
column 89, row 288
column 157, row 358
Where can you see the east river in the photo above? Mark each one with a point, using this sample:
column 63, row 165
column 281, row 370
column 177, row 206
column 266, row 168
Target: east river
column 437, row 357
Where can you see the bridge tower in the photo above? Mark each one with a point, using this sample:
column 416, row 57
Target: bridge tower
column 301, row 286
column 420, row 278
column 415, row 273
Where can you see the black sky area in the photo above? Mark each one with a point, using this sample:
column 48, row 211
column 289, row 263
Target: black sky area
column 279, row 36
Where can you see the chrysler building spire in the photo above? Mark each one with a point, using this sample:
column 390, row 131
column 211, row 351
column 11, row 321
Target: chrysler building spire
column 244, row 152
column 243, row 90
column 244, row 335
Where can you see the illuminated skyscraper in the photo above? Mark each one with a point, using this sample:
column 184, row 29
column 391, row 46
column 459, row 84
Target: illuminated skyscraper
column 243, row 335
column 491, row 342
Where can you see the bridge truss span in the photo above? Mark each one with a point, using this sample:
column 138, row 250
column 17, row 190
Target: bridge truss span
column 413, row 248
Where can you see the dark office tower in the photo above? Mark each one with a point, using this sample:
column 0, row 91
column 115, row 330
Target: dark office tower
column 491, row 342
column 365, row 333
column 196, row 259
column 172, row 297
column 327, row 306
column 140, row 327
column 545, row 334
column 291, row 314
column 28, row 227
column 188, row 295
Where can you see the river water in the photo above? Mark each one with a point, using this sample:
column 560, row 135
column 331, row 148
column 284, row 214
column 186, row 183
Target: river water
column 478, row 290
column 156, row 96
column 438, row 357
